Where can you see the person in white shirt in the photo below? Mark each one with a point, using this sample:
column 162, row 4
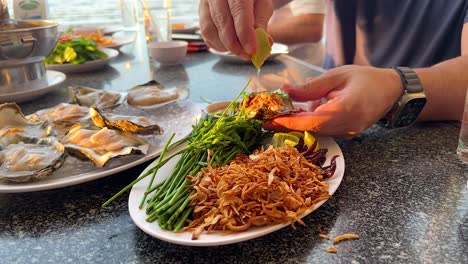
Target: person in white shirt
column 300, row 25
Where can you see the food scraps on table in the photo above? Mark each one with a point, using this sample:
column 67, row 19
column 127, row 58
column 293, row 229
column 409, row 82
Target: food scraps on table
column 342, row 237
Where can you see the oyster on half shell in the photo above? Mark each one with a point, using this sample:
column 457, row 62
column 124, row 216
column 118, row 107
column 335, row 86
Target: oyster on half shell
column 27, row 159
column 13, row 122
column 133, row 124
column 267, row 105
column 102, row 145
column 152, row 94
column 63, row 116
column 86, row 96
column 61, row 113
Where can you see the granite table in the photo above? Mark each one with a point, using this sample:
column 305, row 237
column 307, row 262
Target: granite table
column 404, row 191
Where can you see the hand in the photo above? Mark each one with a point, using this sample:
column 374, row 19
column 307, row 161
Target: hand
column 357, row 97
column 230, row 24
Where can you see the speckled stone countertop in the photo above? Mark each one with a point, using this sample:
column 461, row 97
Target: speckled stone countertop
column 404, row 191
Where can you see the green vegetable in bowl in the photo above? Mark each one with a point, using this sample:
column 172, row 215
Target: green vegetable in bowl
column 76, row 50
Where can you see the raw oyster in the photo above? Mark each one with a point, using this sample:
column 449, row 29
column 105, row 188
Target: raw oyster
column 61, row 113
column 13, row 122
column 101, row 145
column 63, row 116
column 86, row 96
column 152, row 94
column 26, row 159
column 133, row 124
column 267, row 105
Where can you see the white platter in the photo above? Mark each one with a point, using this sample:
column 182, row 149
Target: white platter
column 189, row 27
column 276, row 49
column 119, row 41
column 105, row 30
column 32, row 90
column 87, row 66
column 216, row 238
column 177, row 117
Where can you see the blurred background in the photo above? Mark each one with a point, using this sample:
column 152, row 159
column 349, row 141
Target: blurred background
column 108, row 12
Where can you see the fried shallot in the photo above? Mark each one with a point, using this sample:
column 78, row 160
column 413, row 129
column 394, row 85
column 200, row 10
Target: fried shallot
column 272, row 186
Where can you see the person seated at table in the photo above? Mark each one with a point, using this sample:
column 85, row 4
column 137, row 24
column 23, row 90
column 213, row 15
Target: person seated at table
column 300, row 25
column 430, row 36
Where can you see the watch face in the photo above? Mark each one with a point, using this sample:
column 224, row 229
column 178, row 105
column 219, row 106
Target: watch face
column 410, row 111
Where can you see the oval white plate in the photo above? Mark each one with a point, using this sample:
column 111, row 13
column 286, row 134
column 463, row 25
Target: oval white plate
column 276, row 49
column 33, row 90
column 216, row 238
column 87, row 66
column 105, row 30
column 119, row 42
column 178, row 118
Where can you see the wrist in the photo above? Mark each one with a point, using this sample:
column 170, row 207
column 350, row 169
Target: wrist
column 394, row 87
column 410, row 102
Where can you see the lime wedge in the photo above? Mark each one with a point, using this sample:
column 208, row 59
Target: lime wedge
column 284, row 139
column 298, row 134
column 309, row 140
column 263, row 48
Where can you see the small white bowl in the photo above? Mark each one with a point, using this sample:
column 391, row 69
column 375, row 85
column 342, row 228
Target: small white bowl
column 168, row 52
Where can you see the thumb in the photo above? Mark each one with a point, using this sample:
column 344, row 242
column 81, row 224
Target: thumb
column 263, row 10
column 305, row 121
column 313, row 89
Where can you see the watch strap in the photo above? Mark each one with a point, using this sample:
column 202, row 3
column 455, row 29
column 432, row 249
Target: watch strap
column 411, row 84
column 410, row 80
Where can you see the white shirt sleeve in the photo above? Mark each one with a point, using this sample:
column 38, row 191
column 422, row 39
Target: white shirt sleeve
column 299, row 7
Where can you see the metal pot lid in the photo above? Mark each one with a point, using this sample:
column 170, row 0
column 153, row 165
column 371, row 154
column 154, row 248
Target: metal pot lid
column 12, row 26
column 13, row 64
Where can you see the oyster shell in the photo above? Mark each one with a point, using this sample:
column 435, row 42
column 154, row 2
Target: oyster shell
column 133, row 124
column 267, row 105
column 13, row 122
column 86, row 96
column 152, row 94
column 27, row 159
column 61, row 113
column 101, row 145
column 63, row 116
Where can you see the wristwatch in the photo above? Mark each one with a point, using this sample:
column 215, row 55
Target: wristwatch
column 407, row 108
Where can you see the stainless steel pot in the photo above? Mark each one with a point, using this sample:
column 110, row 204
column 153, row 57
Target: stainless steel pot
column 27, row 38
column 15, row 73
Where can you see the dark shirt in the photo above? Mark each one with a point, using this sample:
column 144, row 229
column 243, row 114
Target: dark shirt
column 414, row 33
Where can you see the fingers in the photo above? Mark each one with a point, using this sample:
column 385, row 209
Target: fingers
column 208, row 29
column 242, row 12
column 313, row 89
column 221, row 17
column 230, row 24
column 263, row 10
column 307, row 121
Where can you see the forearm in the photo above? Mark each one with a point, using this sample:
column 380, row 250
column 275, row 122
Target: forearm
column 279, row 3
column 445, row 86
column 307, row 28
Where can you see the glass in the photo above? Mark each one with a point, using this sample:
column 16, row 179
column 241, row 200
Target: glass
column 157, row 23
column 462, row 149
column 128, row 12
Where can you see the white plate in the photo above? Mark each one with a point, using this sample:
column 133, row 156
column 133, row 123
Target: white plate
column 190, row 27
column 187, row 30
column 119, row 42
column 216, row 238
column 87, row 66
column 276, row 50
column 177, row 117
column 105, row 30
column 33, row 89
